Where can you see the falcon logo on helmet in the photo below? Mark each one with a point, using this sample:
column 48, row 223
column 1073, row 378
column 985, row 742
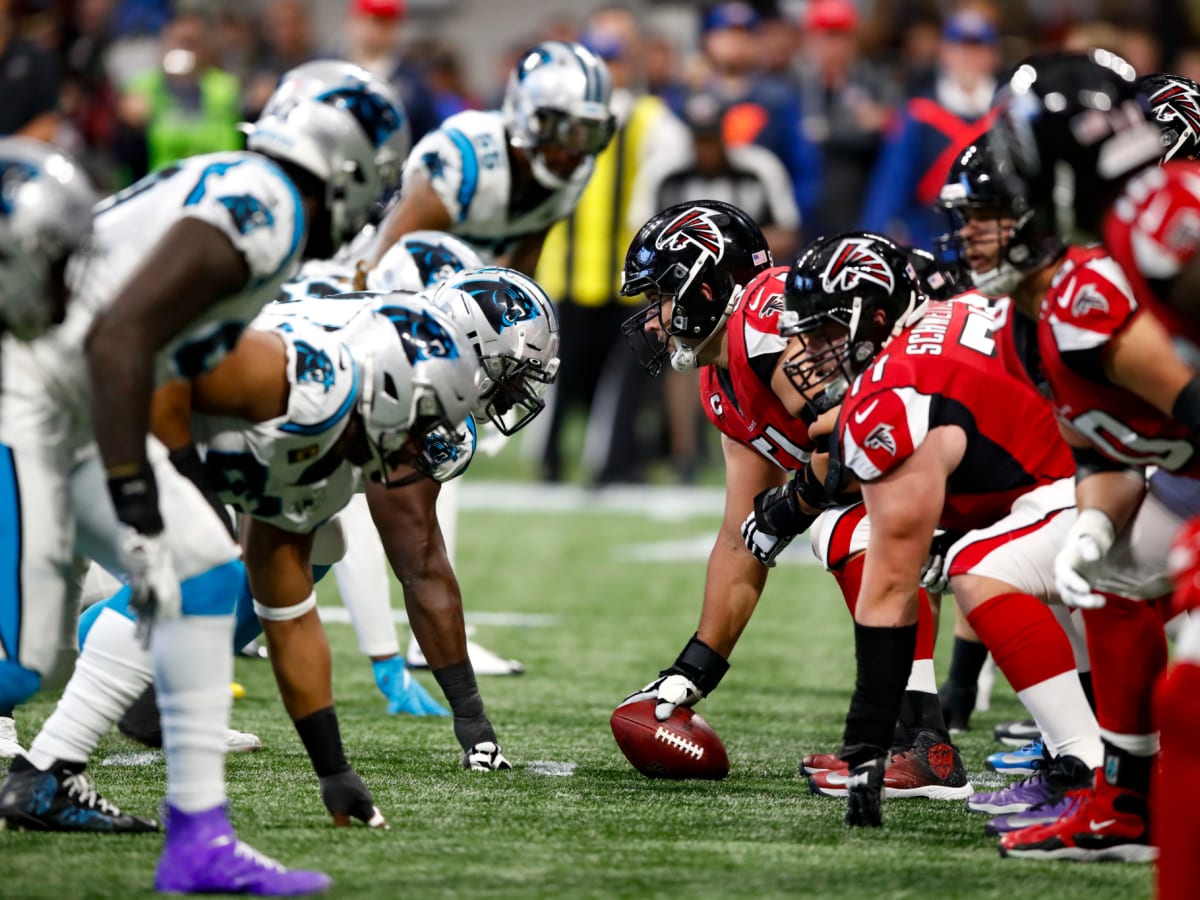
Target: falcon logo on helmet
column 695, row 226
column 856, row 261
column 1176, row 106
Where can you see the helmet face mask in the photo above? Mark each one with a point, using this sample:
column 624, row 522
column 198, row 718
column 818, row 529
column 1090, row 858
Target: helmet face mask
column 844, row 298
column 697, row 257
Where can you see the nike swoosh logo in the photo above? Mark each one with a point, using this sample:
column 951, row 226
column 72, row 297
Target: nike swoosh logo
column 862, row 415
column 1098, row 826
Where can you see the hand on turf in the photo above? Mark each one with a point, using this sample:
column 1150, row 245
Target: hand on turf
column 1081, row 559
column 670, row 691
column 485, row 757
column 347, row 797
column 865, row 795
column 155, row 594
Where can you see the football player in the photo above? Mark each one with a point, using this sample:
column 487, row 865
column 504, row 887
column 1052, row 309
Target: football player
column 1101, row 138
column 919, row 429
column 714, row 300
column 500, row 179
column 45, row 216
column 179, row 264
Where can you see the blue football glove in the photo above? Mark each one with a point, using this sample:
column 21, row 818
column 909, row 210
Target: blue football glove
column 405, row 694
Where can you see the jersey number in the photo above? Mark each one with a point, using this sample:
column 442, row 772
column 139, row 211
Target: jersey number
column 1118, row 440
column 772, row 442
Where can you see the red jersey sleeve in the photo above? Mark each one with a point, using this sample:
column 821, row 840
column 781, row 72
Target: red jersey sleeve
column 880, row 430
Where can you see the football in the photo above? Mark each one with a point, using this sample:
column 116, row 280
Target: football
column 684, row 746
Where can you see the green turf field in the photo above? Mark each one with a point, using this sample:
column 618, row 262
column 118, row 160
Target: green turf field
column 604, row 830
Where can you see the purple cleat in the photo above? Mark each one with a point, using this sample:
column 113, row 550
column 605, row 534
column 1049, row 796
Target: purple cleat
column 1043, row 814
column 1065, row 773
column 202, row 855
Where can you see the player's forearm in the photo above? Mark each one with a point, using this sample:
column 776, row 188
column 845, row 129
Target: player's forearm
column 734, row 582
column 435, row 615
column 1117, row 494
column 121, row 367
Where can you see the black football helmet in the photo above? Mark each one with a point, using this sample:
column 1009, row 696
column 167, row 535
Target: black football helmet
column 1081, row 110
column 844, row 297
column 1175, row 106
column 938, row 281
column 677, row 253
column 982, row 188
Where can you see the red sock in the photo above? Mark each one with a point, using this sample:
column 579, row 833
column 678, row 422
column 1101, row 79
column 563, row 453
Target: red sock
column 1129, row 649
column 849, row 578
column 1026, row 641
column 925, row 633
column 1175, row 794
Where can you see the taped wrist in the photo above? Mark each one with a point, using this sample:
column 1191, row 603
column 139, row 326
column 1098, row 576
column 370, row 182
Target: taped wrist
column 778, row 511
column 811, row 489
column 1186, row 408
column 187, row 462
column 322, row 739
column 471, row 725
column 135, row 500
column 1089, row 461
column 703, row 665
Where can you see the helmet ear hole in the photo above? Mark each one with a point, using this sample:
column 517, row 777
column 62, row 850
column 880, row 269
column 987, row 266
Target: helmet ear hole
column 389, row 386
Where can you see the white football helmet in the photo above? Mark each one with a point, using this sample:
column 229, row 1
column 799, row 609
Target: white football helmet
column 560, row 95
column 420, row 381
column 46, row 205
column 420, row 260
column 344, row 126
column 514, row 328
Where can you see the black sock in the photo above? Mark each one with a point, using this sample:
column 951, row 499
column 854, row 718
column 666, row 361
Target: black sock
column 919, row 711
column 966, row 662
column 884, row 661
column 323, row 740
column 471, row 725
column 1127, row 770
column 1085, row 681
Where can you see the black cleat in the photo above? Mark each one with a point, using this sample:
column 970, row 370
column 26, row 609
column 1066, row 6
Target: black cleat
column 61, row 799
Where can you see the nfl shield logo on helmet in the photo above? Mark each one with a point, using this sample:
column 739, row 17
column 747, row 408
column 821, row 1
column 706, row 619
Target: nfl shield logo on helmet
column 854, row 262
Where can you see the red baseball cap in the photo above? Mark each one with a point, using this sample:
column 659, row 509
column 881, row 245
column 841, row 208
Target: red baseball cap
column 382, row 9
column 831, row 15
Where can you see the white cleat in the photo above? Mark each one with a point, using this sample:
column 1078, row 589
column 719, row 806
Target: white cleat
column 10, row 747
column 483, row 660
column 241, row 741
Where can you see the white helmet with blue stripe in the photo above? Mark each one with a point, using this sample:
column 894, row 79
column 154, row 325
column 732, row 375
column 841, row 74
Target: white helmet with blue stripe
column 513, row 326
column 420, row 381
column 420, row 260
column 559, row 95
column 46, row 205
column 344, row 126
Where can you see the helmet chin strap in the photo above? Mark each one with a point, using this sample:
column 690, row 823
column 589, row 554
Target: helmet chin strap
column 685, row 358
column 543, row 175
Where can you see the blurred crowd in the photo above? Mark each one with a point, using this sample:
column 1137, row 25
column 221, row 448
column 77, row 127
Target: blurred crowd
column 816, row 116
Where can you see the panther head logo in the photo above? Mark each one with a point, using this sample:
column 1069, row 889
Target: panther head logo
column 434, row 263
column 854, row 262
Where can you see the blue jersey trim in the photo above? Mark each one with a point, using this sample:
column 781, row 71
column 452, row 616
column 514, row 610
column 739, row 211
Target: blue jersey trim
column 218, row 168
column 338, row 415
column 299, row 222
column 10, row 556
column 470, row 170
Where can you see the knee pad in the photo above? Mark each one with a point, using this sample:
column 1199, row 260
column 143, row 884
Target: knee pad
column 329, row 543
column 17, row 683
column 215, row 592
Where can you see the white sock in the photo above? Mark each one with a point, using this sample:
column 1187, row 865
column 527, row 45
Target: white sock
column 922, row 678
column 362, row 577
column 1061, row 710
column 1072, row 624
column 193, row 665
column 447, row 513
column 111, row 672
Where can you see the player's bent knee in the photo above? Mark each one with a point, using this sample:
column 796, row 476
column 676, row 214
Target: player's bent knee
column 215, row 592
column 286, row 613
column 17, row 683
column 118, row 603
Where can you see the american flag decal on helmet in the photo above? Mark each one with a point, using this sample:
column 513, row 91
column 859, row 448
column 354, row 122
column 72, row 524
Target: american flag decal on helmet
column 856, row 261
column 694, row 226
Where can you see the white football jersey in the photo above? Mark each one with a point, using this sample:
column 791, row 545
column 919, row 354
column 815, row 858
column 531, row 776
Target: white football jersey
column 281, row 470
column 466, row 162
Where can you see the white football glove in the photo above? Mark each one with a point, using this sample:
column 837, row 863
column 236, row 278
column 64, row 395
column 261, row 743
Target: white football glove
column 670, row 691
column 763, row 544
column 485, row 757
column 1081, row 559
column 934, row 577
column 155, row 592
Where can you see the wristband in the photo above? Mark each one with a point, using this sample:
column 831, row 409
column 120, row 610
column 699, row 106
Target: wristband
column 135, row 500
column 700, row 663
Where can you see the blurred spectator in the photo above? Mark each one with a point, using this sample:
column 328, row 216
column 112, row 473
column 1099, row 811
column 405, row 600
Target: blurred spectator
column 288, row 33
column 751, row 178
column 761, row 109
column 847, row 104
column 581, row 264
column 660, row 66
column 932, row 128
column 1187, row 62
column 1141, row 48
column 920, row 46
column 28, row 84
column 374, row 34
column 777, row 40
column 185, row 106
column 443, row 73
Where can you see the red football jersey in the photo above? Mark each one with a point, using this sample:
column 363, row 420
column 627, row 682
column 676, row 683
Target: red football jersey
column 949, row 369
column 1153, row 231
column 739, row 400
column 1089, row 302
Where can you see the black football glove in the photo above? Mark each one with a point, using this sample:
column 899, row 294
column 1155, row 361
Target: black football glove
column 777, row 518
column 347, row 797
column 865, row 787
